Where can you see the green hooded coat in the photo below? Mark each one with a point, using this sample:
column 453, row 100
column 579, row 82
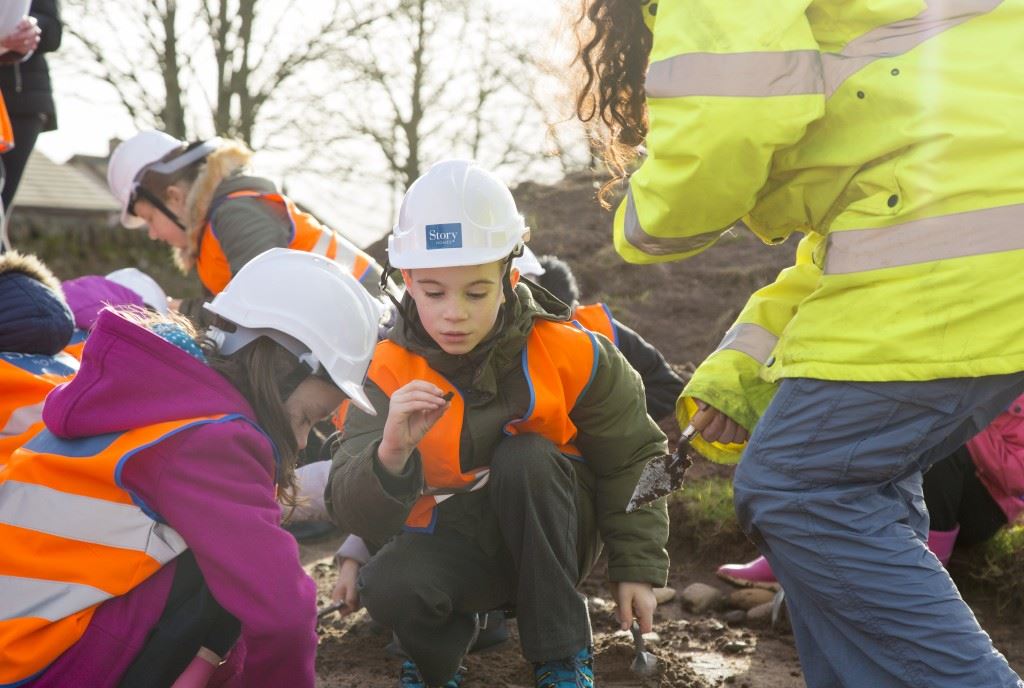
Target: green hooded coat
column 615, row 435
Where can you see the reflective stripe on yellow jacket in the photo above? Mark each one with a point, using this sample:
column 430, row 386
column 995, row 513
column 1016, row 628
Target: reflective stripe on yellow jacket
column 26, row 379
column 307, row 234
column 597, row 318
column 732, row 377
column 73, row 537
column 889, row 130
column 559, row 360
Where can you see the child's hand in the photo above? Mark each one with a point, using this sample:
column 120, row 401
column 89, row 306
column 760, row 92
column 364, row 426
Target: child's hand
column 634, row 600
column 345, row 587
column 413, row 411
column 715, row 426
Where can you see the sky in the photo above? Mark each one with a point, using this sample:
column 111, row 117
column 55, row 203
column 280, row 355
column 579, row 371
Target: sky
column 87, row 124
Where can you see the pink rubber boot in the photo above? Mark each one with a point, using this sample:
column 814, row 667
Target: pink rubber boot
column 941, row 542
column 197, row 674
column 753, row 574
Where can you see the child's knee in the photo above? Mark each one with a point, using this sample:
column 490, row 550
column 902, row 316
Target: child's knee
column 525, row 458
column 391, row 591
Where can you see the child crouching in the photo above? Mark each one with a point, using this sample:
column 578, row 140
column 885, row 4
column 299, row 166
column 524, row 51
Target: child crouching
column 511, row 444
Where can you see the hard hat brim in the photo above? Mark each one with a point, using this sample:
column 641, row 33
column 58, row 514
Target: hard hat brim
column 358, row 397
column 129, row 221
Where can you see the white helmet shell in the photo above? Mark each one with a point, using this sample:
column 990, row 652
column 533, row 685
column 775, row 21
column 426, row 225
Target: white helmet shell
column 128, row 160
column 528, row 264
column 310, row 305
column 142, row 284
column 457, row 213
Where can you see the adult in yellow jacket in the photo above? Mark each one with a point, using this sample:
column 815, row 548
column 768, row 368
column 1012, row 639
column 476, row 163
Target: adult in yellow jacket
column 886, row 132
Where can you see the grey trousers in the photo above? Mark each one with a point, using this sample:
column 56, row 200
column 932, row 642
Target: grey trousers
column 829, row 489
column 427, row 587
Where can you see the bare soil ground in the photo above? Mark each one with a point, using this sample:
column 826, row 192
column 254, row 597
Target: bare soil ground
column 693, row 651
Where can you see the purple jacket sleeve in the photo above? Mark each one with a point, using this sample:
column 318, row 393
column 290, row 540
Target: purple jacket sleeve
column 214, row 485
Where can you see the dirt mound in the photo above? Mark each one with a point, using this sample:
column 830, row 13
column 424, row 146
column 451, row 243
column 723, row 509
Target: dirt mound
column 683, row 308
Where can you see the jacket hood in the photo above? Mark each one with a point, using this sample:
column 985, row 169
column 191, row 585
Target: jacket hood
column 28, row 264
column 129, row 378
column 482, row 367
column 231, row 159
column 34, row 318
column 88, row 295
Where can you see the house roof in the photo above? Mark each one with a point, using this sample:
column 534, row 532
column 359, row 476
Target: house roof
column 47, row 185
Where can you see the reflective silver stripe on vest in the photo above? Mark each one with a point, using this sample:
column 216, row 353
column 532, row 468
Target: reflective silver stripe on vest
column 22, row 598
column 973, row 233
column 442, row 493
column 753, row 340
column 737, row 75
column 323, row 244
column 87, row 519
column 899, row 37
column 800, row 72
column 345, row 256
column 658, row 246
column 22, row 419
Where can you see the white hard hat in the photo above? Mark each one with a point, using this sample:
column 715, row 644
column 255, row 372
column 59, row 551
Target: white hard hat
column 528, row 264
column 457, row 213
column 143, row 285
column 127, row 162
column 310, row 305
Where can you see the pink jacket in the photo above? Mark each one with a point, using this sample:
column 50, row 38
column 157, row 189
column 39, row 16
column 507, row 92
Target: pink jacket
column 998, row 453
column 214, row 484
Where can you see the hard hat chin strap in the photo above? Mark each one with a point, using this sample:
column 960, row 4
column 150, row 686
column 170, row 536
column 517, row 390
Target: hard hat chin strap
column 385, row 287
column 156, row 202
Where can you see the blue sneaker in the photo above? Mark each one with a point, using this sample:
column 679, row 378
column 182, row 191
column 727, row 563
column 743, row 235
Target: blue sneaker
column 410, row 677
column 573, row 672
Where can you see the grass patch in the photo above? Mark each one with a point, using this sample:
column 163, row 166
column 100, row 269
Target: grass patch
column 703, row 521
column 996, row 566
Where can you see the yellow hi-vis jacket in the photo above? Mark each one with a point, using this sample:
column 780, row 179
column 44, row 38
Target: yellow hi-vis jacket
column 888, row 132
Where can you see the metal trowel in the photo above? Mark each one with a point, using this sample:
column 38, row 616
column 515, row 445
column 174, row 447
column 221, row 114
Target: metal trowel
column 663, row 474
column 644, row 664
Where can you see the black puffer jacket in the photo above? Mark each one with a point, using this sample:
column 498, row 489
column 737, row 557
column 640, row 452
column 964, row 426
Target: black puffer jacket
column 26, row 85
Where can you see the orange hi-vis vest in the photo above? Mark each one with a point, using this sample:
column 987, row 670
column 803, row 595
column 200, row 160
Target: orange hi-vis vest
column 307, row 234
column 77, row 344
column 73, row 537
column 559, row 361
column 597, row 318
column 6, row 131
column 26, row 379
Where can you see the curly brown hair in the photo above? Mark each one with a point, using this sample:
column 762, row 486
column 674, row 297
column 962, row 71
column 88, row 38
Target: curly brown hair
column 613, row 49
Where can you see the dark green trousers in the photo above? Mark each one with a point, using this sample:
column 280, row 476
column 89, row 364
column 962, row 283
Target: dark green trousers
column 427, row 587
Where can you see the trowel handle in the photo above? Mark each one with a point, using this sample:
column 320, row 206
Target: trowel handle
column 684, row 443
column 638, row 637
